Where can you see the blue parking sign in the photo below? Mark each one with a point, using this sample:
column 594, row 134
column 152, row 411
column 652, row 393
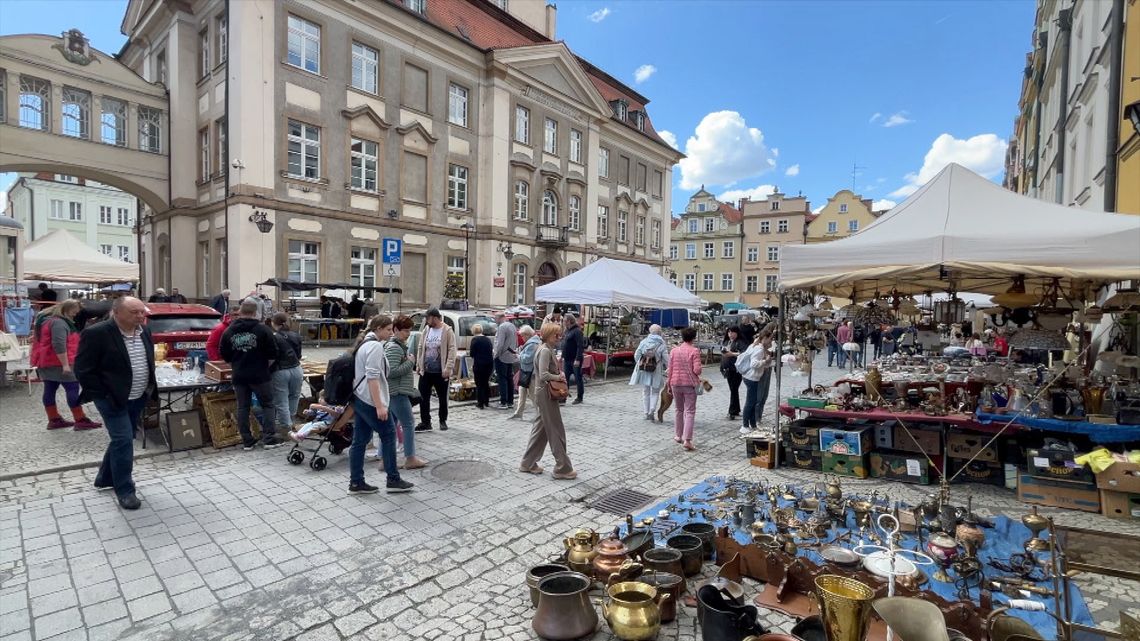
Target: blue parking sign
column 393, row 251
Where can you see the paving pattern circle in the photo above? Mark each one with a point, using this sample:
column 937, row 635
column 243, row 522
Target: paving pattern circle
column 463, row 471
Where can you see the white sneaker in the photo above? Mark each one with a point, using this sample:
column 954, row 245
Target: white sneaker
column 373, row 454
column 744, row 431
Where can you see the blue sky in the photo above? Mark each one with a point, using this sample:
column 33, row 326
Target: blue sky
column 766, row 93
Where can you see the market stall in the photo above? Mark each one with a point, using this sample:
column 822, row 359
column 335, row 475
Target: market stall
column 309, row 323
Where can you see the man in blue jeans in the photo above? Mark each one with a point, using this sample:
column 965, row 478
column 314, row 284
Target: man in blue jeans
column 573, row 351
column 506, row 355
column 370, row 402
column 115, row 367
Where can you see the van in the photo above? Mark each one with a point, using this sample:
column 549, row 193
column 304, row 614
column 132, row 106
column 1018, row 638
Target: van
column 460, row 322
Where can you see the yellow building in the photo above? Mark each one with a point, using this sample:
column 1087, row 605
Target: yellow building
column 1128, row 153
column 770, row 224
column 844, row 214
column 705, row 249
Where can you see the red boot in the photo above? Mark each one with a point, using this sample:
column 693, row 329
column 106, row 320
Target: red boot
column 59, row 423
column 86, row 424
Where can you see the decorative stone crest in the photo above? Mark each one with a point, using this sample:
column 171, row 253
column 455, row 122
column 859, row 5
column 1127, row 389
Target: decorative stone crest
column 75, row 47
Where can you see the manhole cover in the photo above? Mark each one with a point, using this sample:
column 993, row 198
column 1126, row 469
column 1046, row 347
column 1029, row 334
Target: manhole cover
column 623, row 501
column 463, row 471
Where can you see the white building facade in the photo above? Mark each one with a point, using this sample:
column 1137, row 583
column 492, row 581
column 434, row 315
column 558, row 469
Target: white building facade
column 98, row 214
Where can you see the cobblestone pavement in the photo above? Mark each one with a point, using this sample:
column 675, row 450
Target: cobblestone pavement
column 233, row 545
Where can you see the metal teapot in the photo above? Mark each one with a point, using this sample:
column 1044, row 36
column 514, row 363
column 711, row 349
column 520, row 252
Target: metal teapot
column 580, row 551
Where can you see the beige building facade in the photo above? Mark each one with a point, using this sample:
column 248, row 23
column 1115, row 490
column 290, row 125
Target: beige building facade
column 845, row 213
column 458, row 127
column 705, row 250
column 769, row 224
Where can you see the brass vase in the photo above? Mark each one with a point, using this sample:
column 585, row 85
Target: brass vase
column 1093, row 398
column 844, row 607
column 633, row 610
column 580, row 551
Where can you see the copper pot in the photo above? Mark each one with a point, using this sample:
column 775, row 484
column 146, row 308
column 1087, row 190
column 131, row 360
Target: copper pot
column 564, row 610
column 706, row 532
column 668, row 583
column 610, row 555
column 665, row 560
column 536, row 574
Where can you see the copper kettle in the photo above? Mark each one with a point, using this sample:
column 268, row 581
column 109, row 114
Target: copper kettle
column 580, row 551
column 610, row 555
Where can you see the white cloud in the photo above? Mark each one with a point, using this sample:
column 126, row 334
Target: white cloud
column 759, row 192
column 984, row 154
column 896, row 119
column 643, row 73
column 599, row 15
column 669, row 137
column 722, row 151
column 875, row 116
column 880, row 205
column 817, row 209
column 794, row 170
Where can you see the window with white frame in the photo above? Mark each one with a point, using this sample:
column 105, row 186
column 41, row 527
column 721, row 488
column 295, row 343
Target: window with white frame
column 365, row 68
column 522, row 200
column 75, row 211
column 852, row 225
column 66, row 178
column 203, row 53
column 150, row 130
column 843, row 208
column 222, row 29
column 574, row 209
column 522, row 124
column 304, row 47
column 35, row 103
column 751, row 283
column 124, row 253
column 419, row 6
column 726, row 282
column 639, row 230
column 770, row 282
column 457, row 105
column 656, row 234
column 621, row 109
column 56, row 212
column 690, row 251
column 690, row 282
column 365, row 160
column 773, row 253
column 106, row 250
column 220, row 133
column 710, row 250
column 622, row 226
column 832, row 227
column 575, row 145
column 673, row 253
column 106, row 214
column 604, row 162
column 775, row 205
column 304, row 261
column 549, row 208
column 782, row 226
column 457, row 266
column 765, row 227
column 709, row 279
column 363, row 266
column 75, row 113
column 304, row 150
column 204, row 154
column 603, row 221
column 752, row 254
column 123, row 217
column 710, row 224
column 550, row 136
column 520, row 284
column 457, row 187
column 728, row 249
column 694, row 225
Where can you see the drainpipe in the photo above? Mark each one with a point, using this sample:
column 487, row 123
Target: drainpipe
column 1038, row 81
column 224, row 269
column 1065, row 22
column 31, row 209
column 1112, row 137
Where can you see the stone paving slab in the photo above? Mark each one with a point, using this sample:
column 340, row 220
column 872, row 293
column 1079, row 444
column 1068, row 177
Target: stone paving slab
column 241, row 545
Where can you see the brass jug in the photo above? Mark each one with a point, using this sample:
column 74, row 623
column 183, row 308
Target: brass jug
column 580, row 551
column 633, row 610
column 873, row 384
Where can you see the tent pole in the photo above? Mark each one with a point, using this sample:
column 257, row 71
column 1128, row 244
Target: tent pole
column 606, row 371
column 779, row 370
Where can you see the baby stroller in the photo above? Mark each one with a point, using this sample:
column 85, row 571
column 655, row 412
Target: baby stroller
column 338, row 437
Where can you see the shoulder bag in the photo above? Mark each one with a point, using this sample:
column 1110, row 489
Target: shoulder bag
column 558, row 390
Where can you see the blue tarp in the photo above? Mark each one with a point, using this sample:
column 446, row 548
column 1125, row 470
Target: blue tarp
column 18, row 320
column 1096, row 432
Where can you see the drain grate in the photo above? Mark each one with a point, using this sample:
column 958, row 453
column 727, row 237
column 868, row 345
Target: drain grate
column 623, row 501
column 465, row 470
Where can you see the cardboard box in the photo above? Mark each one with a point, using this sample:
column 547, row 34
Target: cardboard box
column 1120, row 505
column 965, row 445
column 803, row 459
column 885, row 436
column 800, row 437
column 850, row 442
column 766, row 460
column 929, row 441
column 1120, row 477
column 758, row 446
column 846, row 464
column 220, row 371
column 976, row 472
column 909, row 468
column 1068, row 495
column 1058, row 465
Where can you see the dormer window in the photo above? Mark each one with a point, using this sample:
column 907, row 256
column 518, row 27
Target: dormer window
column 621, row 109
column 639, row 120
column 418, row 6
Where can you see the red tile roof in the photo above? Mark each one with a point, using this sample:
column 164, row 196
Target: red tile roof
column 730, row 213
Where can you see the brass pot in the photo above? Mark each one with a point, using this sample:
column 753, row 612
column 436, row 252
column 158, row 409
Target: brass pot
column 580, row 551
column 564, row 609
column 671, row 584
column 706, row 532
column 633, row 610
column 536, row 574
column 692, row 552
column 663, row 560
column 611, row 555
column 971, row 537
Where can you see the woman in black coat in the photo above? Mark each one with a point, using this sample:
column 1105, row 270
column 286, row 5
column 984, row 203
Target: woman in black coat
column 482, row 351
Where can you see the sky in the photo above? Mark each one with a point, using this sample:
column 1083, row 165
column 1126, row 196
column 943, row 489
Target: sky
column 810, row 96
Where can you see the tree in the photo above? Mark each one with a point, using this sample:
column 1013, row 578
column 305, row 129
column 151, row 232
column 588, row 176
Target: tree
column 453, row 286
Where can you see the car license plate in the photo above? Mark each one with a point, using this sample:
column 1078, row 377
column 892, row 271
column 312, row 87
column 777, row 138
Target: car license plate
column 189, row 346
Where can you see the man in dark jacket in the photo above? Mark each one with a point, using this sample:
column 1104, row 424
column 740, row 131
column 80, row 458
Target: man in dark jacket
column 355, row 307
column 250, row 347
column 115, row 368
column 573, row 350
column 221, row 302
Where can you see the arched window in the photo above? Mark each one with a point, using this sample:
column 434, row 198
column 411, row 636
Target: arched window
column 35, row 97
column 549, row 208
column 519, row 294
column 522, row 200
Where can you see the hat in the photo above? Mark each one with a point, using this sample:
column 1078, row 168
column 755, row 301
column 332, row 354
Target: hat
column 433, row 312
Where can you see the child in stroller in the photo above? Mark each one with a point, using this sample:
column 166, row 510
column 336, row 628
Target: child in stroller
column 328, row 424
column 321, row 418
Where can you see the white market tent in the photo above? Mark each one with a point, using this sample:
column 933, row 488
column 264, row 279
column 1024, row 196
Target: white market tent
column 960, row 231
column 61, row 257
column 617, row 282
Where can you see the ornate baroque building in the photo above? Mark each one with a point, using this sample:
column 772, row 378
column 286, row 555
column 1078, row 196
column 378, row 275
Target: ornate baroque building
column 706, row 249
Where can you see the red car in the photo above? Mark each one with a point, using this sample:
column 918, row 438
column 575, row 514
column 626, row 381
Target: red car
column 182, row 328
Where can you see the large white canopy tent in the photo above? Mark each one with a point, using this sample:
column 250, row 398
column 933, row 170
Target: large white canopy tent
column 962, row 232
column 62, row 258
column 617, row 282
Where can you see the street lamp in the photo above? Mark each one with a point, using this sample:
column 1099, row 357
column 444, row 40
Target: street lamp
column 467, row 227
column 1132, row 112
column 259, row 218
column 505, row 250
column 696, row 278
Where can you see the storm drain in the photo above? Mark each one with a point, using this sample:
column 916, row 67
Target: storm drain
column 623, row 501
column 463, row 471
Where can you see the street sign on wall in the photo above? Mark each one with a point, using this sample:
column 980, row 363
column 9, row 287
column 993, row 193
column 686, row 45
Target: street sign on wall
column 392, row 253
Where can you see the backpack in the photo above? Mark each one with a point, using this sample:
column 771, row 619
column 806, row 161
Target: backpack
column 648, row 362
column 340, row 378
column 526, row 355
column 744, row 365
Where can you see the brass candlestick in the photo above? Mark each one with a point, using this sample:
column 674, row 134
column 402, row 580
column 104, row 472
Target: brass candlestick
column 1036, row 524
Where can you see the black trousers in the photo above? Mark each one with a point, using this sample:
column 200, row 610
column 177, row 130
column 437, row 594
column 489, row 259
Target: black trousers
column 734, row 378
column 483, row 385
column 432, row 381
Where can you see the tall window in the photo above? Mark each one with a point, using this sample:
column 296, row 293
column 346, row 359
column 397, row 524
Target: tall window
column 522, row 124
column 57, row 210
column 639, row 230
column 782, row 226
column 604, row 162
column 222, row 29
column 160, row 67
column 753, row 254
column 765, row 227
column 113, row 122
column 691, row 282
column 75, row 211
column 150, row 130
column 457, row 186
column 549, row 208
column 773, row 253
column 710, row 224
column 603, row 222
column 75, row 113
column 710, row 250
column 832, row 227
column 708, row 279
column 364, row 155
column 642, row 170
column 673, row 252
column 204, row 154
column 623, row 170
column 770, row 282
column 728, row 249
column 203, row 53
column 304, row 150
column 304, row 261
column 123, row 217
column 690, row 251
column 550, row 136
column 220, row 133
column 726, row 282
column 419, row 6
column 693, row 225
column 304, row 44
column 658, row 182
column 106, row 214
column 363, row 266
column 365, row 66
column 520, row 284
column 106, row 250
column 575, row 145
column 522, row 200
column 622, row 226
column 852, row 225
column 775, row 205
column 125, row 253
column 574, row 215
column 35, row 103
column 751, row 284
column 457, row 105
column 657, row 234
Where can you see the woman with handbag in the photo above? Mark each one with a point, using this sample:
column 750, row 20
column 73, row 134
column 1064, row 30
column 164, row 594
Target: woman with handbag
column 55, row 345
column 651, row 358
column 401, row 391
column 684, row 378
column 549, row 386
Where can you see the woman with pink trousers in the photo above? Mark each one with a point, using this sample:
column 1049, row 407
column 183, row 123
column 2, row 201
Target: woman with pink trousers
column 684, row 377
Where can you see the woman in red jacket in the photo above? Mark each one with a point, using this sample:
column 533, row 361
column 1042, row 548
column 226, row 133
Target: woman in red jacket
column 684, row 376
column 53, row 355
column 214, row 341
